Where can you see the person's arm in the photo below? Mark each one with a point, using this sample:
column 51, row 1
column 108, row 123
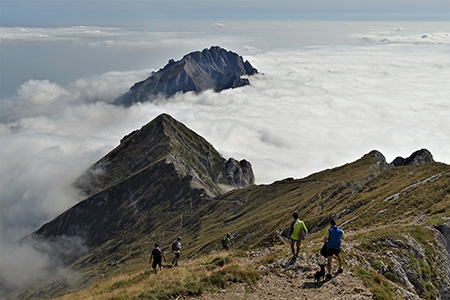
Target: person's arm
column 343, row 235
column 325, row 239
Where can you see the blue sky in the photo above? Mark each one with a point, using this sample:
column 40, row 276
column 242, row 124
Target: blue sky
column 72, row 13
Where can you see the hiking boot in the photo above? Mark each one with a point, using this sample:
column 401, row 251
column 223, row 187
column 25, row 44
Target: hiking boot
column 340, row 270
column 328, row 276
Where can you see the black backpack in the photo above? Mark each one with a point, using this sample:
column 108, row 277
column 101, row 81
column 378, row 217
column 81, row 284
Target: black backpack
column 175, row 246
column 157, row 254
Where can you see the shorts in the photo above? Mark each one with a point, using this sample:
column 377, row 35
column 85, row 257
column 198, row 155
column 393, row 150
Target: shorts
column 177, row 255
column 156, row 263
column 292, row 240
column 331, row 251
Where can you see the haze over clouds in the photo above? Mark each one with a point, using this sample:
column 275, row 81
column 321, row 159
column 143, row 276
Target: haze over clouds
column 328, row 94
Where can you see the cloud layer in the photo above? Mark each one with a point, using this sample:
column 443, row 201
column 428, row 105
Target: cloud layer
column 312, row 108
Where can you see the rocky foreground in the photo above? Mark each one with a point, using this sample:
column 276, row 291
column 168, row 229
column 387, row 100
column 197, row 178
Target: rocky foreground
column 293, row 280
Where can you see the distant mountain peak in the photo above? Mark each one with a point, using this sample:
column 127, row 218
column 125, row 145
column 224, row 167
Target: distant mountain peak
column 214, row 68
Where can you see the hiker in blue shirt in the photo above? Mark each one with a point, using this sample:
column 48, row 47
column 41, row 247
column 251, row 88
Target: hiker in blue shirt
column 333, row 237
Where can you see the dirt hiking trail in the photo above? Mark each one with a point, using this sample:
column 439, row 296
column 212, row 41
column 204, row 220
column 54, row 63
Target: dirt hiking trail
column 293, row 279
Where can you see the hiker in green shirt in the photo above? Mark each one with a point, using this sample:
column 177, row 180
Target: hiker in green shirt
column 226, row 241
column 298, row 233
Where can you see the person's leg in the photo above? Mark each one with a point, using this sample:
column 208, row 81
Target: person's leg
column 329, row 259
column 339, row 258
column 177, row 255
column 292, row 248
column 154, row 265
column 298, row 248
column 340, row 270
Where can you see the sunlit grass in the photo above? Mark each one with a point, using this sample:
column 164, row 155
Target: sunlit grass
column 208, row 273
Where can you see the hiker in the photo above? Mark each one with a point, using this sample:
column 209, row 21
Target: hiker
column 226, row 241
column 298, row 233
column 176, row 249
column 333, row 238
column 157, row 255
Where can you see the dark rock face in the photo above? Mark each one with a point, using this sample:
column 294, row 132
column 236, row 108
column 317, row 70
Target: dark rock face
column 240, row 173
column 419, row 157
column 214, row 68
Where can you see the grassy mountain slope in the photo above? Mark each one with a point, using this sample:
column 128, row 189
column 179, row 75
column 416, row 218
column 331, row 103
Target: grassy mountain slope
column 391, row 218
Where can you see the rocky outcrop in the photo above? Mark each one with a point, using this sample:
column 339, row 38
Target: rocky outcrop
column 239, row 173
column 419, row 157
column 214, row 68
column 422, row 266
column 443, row 237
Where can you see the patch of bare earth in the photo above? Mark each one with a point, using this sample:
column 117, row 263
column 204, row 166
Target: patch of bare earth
column 293, row 279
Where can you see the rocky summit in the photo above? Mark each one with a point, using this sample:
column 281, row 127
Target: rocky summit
column 214, row 68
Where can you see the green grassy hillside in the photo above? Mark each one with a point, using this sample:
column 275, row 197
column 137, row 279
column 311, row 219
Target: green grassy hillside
column 390, row 217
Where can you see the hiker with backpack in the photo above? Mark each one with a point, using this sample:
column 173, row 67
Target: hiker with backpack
column 176, row 249
column 298, row 233
column 226, row 241
column 333, row 237
column 157, row 256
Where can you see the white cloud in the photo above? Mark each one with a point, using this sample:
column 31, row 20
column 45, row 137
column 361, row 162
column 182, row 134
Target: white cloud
column 400, row 36
column 38, row 98
column 34, row 262
column 33, row 34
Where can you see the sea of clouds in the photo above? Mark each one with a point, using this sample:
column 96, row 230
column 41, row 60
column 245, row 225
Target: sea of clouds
column 313, row 106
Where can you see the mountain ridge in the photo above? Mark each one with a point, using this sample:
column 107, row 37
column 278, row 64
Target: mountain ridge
column 214, row 68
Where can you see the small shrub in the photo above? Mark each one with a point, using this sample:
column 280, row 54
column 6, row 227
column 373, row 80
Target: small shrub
column 429, row 291
column 234, row 273
column 381, row 290
column 392, row 277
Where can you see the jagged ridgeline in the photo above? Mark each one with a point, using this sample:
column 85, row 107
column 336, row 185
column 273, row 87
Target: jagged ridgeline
column 165, row 181
column 214, row 68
